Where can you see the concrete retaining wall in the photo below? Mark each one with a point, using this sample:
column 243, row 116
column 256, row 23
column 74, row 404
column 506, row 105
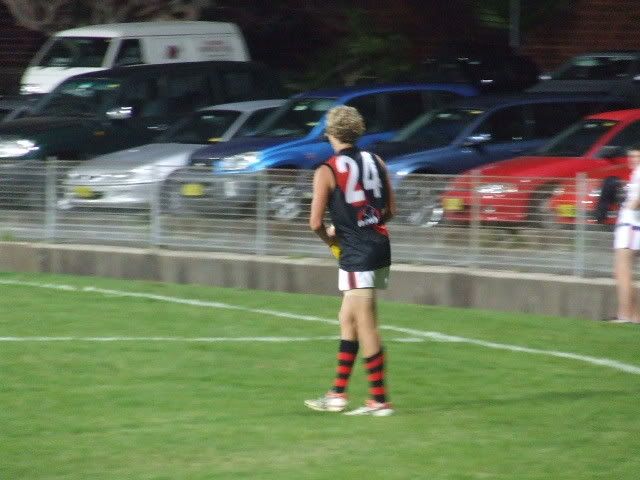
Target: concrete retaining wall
column 507, row 291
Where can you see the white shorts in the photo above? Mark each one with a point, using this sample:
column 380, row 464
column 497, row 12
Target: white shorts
column 627, row 236
column 371, row 279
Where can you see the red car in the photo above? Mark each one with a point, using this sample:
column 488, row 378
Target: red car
column 519, row 190
column 599, row 197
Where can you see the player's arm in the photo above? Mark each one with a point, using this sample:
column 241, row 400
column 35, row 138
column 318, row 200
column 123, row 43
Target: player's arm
column 634, row 204
column 391, row 209
column 322, row 187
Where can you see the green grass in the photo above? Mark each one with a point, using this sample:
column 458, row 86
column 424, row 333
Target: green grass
column 233, row 410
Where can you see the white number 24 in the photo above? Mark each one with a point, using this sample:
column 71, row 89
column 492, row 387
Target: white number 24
column 370, row 178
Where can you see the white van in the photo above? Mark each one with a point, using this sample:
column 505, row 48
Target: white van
column 98, row 47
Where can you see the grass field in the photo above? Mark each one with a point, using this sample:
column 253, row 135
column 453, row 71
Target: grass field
column 137, row 383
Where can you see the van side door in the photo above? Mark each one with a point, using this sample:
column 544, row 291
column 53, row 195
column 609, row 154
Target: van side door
column 165, row 49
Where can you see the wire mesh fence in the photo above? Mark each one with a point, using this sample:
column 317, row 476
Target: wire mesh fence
column 524, row 224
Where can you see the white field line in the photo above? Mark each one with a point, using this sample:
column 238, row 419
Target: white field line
column 169, row 339
column 415, row 334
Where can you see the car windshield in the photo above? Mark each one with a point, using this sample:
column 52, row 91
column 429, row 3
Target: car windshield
column 296, row 118
column 201, row 127
column 81, row 98
column 70, row 52
column 595, row 67
column 437, row 128
column 577, row 139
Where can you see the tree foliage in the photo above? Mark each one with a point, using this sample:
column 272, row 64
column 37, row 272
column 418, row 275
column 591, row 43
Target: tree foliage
column 53, row 15
column 363, row 54
column 496, row 13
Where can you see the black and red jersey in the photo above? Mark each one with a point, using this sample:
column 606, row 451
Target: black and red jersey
column 356, row 206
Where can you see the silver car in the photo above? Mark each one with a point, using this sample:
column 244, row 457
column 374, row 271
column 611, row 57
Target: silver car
column 128, row 178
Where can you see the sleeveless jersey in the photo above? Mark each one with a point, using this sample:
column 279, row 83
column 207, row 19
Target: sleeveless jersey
column 356, row 206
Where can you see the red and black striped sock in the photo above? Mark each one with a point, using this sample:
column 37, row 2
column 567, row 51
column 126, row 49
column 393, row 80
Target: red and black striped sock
column 375, row 369
column 346, row 358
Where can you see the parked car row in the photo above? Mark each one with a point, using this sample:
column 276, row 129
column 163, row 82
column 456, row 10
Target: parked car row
column 126, row 178
column 141, row 124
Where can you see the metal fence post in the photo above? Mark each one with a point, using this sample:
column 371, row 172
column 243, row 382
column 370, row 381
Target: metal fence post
column 579, row 256
column 50, row 198
column 474, row 234
column 155, row 227
column 262, row 211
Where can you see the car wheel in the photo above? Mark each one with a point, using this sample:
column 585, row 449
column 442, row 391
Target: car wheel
column 419, row 204
column 541, row 215
column 285, row 202
column 171, row 199
column 288, row 194
column 610, row 193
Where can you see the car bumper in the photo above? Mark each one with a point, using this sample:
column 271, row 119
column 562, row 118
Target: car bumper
column 137, row 195
column 459, row 207
column 216, row 194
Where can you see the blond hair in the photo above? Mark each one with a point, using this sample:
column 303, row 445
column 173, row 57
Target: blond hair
column 345, row 124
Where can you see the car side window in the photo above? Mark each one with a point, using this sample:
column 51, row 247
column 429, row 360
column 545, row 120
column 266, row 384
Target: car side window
column 185, row 93
column 551, row 118
column 402, row 107
column 434, row 100
column 620, row 142
column 506, row 125
column 237, row 85
column 143, row 95
column 255, row 119
column 129, row 53
column 369, row 108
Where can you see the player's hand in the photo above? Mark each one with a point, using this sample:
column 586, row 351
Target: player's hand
column 335, row 250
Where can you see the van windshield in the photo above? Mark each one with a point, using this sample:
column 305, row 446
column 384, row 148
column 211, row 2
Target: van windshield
column 296, row 118
column 81, row 98
column 437, row 128
column 70, row 52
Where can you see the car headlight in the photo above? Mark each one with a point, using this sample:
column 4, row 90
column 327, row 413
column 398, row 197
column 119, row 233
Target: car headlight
column 31, row 89
column 16, row 148
column 239, row 162
column 496, row 188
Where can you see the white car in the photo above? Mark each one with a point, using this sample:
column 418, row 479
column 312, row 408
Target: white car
column 127, row 178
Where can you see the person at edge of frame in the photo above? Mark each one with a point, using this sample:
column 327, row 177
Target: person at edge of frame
column 626, row 243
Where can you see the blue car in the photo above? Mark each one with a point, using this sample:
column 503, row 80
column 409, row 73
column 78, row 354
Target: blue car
column 473, row 132
column 293, row 138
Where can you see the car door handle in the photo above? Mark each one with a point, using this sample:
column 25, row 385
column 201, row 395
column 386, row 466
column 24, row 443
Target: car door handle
column 158, row 128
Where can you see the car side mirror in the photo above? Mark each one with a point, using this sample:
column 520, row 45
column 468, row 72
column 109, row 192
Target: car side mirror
column 120, row 113
column 477, row 139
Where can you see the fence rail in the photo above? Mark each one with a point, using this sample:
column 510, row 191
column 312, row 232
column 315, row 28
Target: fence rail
column 533, row 225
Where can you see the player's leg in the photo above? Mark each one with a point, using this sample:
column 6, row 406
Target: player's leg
column 624, row 282
column 362, row 303
column 623, row 271
column 336, row 399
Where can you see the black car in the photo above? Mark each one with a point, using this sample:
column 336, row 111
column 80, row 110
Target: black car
column 489, row 68
column 12, row 105
column 614, row 72
column 109, row 110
